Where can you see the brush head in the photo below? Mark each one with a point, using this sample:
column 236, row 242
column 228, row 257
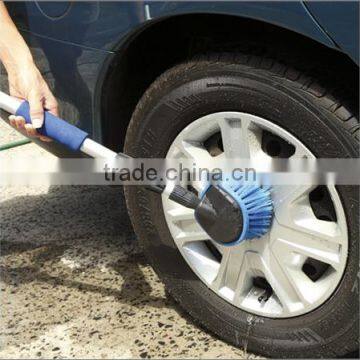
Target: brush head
column 231, row 212
column 220, row 215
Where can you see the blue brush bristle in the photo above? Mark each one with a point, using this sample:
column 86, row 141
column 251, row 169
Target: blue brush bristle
column 256, row 206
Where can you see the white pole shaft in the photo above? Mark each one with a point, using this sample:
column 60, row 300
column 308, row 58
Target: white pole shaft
column 96, row 150
column 9, row 103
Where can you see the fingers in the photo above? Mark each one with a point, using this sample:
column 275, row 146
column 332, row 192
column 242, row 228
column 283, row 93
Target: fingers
column 51, row 104
column 31, row 132
column 44, row 138
column 36, row 110
column 17, row 121
column 12, row 120
column 37, row 105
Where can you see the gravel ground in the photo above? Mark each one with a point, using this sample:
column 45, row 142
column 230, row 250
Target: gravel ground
column 75, row 284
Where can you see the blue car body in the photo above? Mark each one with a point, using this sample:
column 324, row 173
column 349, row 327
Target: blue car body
column 78, row 46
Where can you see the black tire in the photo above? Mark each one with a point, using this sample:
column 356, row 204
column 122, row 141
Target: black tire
column 288, row 98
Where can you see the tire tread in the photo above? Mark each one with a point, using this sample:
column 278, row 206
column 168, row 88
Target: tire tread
column 330, row 98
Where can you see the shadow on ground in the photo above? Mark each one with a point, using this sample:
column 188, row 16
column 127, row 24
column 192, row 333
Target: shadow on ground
column 89, row 224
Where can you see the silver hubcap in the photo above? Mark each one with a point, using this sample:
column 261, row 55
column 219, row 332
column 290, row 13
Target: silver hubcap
column 296, row 241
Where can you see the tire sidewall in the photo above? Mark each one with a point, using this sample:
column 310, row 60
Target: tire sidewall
column 166, row 110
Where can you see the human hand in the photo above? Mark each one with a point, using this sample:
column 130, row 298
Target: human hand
column 26, row 83
column 25, row 80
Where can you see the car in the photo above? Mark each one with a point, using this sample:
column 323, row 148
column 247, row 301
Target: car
column 150, row 77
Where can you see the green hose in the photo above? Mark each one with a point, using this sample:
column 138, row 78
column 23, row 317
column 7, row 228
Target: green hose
column 13, row 144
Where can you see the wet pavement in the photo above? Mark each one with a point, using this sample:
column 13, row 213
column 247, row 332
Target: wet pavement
column 75, row 284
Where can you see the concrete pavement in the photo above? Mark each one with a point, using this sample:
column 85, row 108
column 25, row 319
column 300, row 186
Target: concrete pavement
column 75, row 284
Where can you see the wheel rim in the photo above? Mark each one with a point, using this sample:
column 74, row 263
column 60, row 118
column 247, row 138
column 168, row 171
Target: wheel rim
column 272, row 276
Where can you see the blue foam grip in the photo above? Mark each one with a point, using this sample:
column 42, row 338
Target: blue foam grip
column 56, row 128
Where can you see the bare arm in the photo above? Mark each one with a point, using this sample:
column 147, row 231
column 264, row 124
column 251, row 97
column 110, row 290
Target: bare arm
column 25, row 80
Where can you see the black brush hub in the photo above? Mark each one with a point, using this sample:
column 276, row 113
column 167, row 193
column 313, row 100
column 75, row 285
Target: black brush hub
column 220, row 216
